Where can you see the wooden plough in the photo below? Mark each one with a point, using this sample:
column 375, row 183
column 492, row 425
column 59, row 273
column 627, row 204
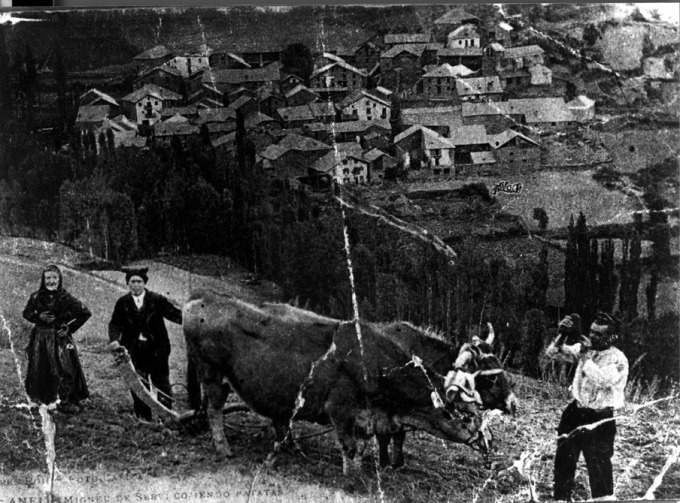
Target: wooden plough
column 134, row 382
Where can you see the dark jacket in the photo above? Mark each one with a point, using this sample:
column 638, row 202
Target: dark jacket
column 65, row 307
column 127, row 324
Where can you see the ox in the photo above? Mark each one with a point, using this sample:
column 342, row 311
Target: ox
column 290, row 364
column 490, row 386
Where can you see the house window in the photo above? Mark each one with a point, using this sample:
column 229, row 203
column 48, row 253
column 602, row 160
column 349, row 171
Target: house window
column 345, row 171
column 436, row 171
column 436, row 153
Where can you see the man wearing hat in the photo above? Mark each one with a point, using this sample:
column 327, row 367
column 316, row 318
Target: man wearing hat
column 587, row 424
column 138, row 324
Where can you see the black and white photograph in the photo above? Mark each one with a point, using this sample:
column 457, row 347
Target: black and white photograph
column 367, row 253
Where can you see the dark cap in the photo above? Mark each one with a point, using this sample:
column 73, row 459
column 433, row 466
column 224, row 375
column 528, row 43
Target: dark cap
column 607, row 319
column 135, row 271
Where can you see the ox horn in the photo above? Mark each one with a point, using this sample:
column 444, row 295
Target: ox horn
column 492, row 335
column 490, row 372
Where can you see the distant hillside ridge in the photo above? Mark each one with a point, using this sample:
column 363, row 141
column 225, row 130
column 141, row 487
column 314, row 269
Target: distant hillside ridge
column 100, row 37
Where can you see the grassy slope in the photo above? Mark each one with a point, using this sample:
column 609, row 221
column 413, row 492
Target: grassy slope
column 105, row 441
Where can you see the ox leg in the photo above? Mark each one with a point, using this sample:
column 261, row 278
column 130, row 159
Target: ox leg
column 217, row 394
column 398, row 448
column 384, row 436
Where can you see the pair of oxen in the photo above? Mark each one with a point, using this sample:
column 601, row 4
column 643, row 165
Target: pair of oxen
column 290, row 364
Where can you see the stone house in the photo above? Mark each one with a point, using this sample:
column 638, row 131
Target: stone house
column 152, row 58
column 345, row 165
column 439, row 119
column 227, row 60
column 146, row 103
column 378, row 163
column 479, row 89
column 515, row 151
column 471, row 57
column 168, row 78
column 163, row 132
column 229, row 80
column 338, row 75
column 422, row 148
column 187, row 65
column 300, row 95
column 364, row 106
column 367, row 55
column 464, row 36
column 393, row 39
column 91, row 117
column 440, row 82
column 95, row 97
column 293, row 117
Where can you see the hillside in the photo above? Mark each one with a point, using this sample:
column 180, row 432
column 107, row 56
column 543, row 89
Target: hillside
column 104, row 450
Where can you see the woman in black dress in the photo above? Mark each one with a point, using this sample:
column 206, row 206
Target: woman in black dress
column 54, row 369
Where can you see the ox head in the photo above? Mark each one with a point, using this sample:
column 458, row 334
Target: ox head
column 447, row 422
column 489, row 381
column 462, row 395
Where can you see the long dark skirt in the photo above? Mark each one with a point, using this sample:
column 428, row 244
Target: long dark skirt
column 54, row 368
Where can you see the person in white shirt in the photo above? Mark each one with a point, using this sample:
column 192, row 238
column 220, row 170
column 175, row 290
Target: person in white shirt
column 138, row 323
column 587, row 424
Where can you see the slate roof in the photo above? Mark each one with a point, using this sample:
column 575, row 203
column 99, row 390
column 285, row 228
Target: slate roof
column 408, row 38
column 455, row 16
column 446, row 70
column 541, row 110
column 257, row 118
column 329, row 161
column 357, row 94
column 415, row 49
column 523, row 51
column 341, row 64
column 124, row 123
column 460, row 51
column 581, row 102
column 239, row 102
column 157, row 52
column 174, row 129
column 357, row 126
column 468, row 135
column 176, row 118
column 97, row 95
column 94, row 113
column 433, row 116
column 185, row 111
column 307, row 112
column 375, row 154
column 239, row 76
column 297, row 89
column 465, row 31
column 154, row 90
column 217, row 114
column 229, row 138
column 478, row 85
column 500, row 139
column 273, row 152
column 165, row 69
column 431, row 138
column 130, row 139
column 295, row 141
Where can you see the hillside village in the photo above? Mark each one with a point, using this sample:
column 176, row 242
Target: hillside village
column 458, row 100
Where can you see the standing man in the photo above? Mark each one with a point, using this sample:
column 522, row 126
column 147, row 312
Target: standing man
column 138, row 324
column 597, row 389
